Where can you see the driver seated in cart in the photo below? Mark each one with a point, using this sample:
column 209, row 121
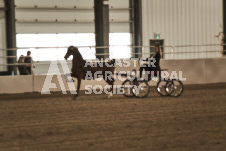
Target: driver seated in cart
column 152, row 65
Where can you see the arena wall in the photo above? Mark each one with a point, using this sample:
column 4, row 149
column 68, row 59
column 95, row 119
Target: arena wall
column 181, row 22
column 196, row 71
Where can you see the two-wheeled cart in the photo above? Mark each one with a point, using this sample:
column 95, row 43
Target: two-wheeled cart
column 140, row 88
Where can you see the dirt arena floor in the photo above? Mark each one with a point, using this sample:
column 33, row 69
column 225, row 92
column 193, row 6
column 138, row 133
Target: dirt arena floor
column 195, row 121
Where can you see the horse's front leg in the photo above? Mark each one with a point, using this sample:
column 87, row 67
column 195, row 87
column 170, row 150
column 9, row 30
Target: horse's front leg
column 111, row 83
column 78, row 87
column 112, row 87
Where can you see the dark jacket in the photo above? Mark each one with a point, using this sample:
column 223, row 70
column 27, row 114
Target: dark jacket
column 28, row 60
column 22, row 69
column 156, row 59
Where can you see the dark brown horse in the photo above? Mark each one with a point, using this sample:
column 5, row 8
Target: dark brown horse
column 80, row 68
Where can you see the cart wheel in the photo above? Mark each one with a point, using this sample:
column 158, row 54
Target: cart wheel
column 161, row 88
column 127, row 86
column 140, row 89
column 174, row 88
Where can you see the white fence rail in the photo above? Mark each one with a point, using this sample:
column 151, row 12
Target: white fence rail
column 169, row 53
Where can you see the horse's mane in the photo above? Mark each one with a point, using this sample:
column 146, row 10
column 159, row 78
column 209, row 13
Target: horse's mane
column 78, row 59
column 77, row 54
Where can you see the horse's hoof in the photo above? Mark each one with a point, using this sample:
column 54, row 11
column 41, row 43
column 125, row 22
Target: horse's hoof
column 110, row 95
column 74, row 98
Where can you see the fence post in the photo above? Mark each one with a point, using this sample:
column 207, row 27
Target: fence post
column 172, row 51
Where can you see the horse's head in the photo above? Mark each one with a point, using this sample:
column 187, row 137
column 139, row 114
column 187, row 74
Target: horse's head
column 70, row 51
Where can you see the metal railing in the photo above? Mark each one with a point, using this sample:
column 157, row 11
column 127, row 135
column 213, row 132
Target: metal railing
column 169, row 52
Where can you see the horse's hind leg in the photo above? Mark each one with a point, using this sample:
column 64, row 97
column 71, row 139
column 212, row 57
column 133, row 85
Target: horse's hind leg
column 78, row 87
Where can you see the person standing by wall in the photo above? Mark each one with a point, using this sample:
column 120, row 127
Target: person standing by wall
column 21, row 67
column 221, row 37
column 28, row 60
